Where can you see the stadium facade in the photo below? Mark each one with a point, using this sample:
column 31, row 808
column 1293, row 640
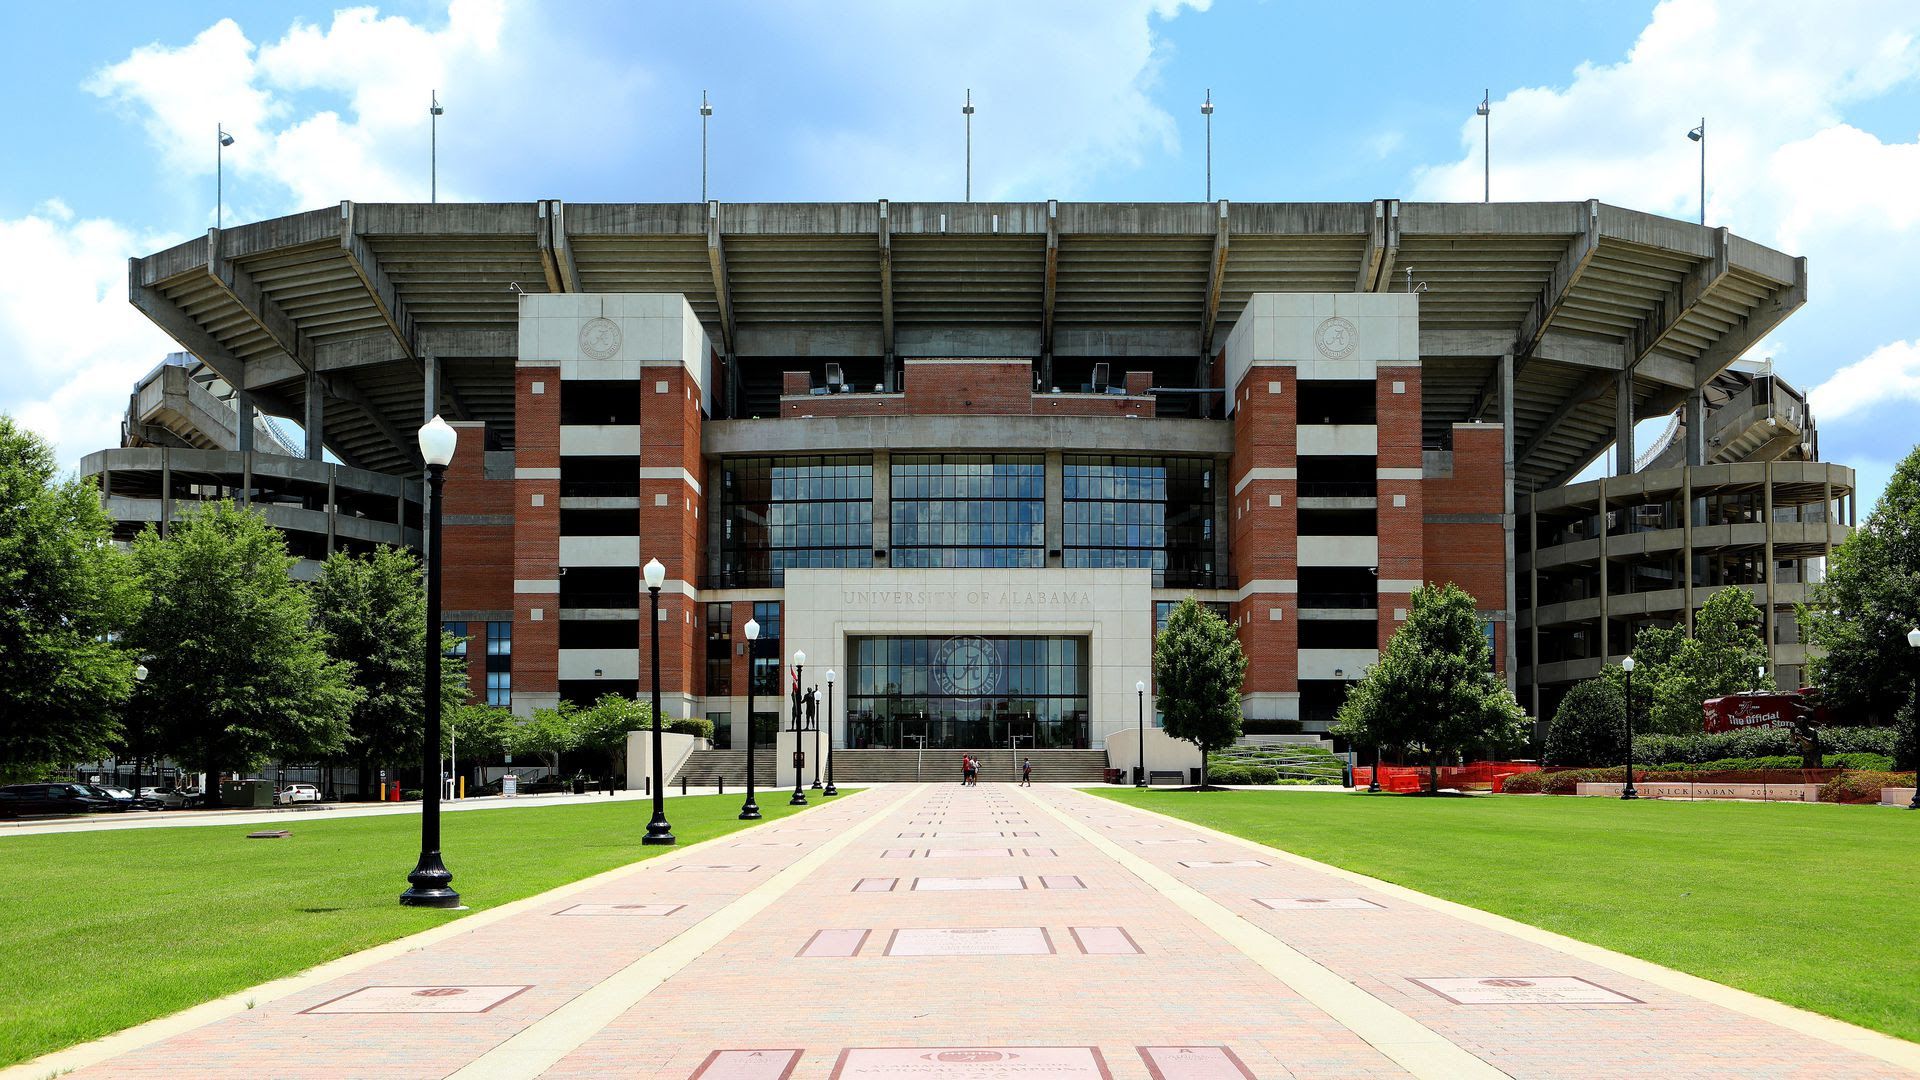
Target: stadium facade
column 967, row 455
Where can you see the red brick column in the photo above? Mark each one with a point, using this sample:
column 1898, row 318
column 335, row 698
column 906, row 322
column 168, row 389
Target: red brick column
column 672, row 530
column 1472, row 553
column 536, row 528
column 1262, row 522
column 1402, row 520
column 477, row 571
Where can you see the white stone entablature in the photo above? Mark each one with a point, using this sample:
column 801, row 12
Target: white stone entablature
column 1323, row 336
column 1112, row 609
column 614, row 336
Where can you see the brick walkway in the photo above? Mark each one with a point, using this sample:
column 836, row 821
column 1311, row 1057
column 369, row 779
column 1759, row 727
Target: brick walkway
column 991, row 932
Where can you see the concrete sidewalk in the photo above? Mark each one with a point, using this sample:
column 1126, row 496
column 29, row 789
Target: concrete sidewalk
column 989, row 932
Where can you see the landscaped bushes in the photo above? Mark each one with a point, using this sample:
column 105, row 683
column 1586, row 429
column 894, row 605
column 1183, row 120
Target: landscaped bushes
column 1701, row 747
column 1862, row 787
column 697, row 726
column 1242, row 774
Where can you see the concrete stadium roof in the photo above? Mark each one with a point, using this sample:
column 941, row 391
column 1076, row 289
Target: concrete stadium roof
column 354, row 300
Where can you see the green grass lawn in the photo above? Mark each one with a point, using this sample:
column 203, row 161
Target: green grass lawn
column 1815, row 906
column 100, row 931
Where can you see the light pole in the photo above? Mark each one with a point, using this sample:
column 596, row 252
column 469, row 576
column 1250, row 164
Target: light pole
column 813, row 707
column 830, row 789
column 799, row 755
column 1699, row 135
column 706, row 111
column 430, row 884
column 433, row 160
column 1140, row 694
column 1627, row 791
column 967, row 111
column 750, row 810
column 1206, row 110
column 221, row 142
column 1913, row 639
column 658, row 831
column 139, row 676
column 1485, row 112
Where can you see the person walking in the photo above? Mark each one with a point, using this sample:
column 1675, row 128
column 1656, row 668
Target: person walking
column 1026, row 772
column 966, row 766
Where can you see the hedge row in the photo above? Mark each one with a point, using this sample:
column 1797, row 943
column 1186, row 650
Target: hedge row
column 1702, row 747
column 1854, row 785
column 1862, row 787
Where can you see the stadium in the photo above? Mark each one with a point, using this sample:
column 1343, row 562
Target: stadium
column 967, row 455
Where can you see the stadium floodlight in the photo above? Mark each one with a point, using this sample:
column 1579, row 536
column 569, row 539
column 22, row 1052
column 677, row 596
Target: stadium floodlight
column 706, row 112
column 434, row 112
column 967, row 111
column 222, row 141
column 1484, row 111
column 1699, row 135
column 1206, row 110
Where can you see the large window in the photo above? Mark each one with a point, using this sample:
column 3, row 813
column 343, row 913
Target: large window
column 719, row 650
column 981, row 510
column 964, row 691
column 1147, row 512
column 500, row 663
column 780, row 513
column 766, row 651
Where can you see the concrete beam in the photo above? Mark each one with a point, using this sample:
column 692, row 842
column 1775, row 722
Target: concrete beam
column 556, row 252
column 1590, row 391
column 393, row 311
column 181, row 327
column 315, row 422
column 885, row 238
column 408, row 445
column 1680, row 301
column 1383, row 249
column 1050, row 285
column 361, row 350
column 240, row 287
column 717, row 262
column 1216, row 280
column 1770, row 313
column 1623, row 423
column 1560, row 284
column 502, row 344
column 549, row 264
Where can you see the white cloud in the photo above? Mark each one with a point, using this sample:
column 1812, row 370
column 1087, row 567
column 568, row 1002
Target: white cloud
column 1889, row 375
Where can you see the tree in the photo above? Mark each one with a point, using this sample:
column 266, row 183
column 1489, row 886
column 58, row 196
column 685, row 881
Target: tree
column 65, row 590
column 1435, row 689
column 483, row 731
column 547, row 733
column 1198, row 669
column 240, row 672
column 1676, row 673
column 602, row 727
column 373, row 609
column 1589, row 727
column 1861, row 613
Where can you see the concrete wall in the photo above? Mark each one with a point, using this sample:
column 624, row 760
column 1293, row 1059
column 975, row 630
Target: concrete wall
column 1164, row 753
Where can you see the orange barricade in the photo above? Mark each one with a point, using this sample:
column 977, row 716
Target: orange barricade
column 1476, row 775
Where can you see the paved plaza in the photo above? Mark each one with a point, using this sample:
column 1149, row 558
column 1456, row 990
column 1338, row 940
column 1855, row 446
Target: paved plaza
column 993, row 932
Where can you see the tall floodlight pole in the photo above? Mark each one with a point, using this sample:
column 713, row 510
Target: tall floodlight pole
column 967, row 111
column 1485, row 111
column 830, row 789
column 750, row 810
column 433, row 146
column 658, row 830
column 706, row 111
column 1699, row 135
column 221, row 142
column 430, row 884
column 1206, row 110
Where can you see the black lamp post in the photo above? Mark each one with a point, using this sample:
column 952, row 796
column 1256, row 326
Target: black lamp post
column 1913, row 639
column 799, row 755
column 1627, row 791
column 1140, row 696
column 830, row 789
column 139, row 676
column 658, row 831
column 816, row 743
column 430, row 884
column 750, row 810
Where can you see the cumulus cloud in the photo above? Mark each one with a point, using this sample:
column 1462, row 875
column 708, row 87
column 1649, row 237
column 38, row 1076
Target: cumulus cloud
column 1889, row 375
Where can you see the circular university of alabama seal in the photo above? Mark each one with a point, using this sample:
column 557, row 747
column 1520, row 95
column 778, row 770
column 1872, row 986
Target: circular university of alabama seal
column 966, row 667
column 600, row 338
column 1336, row 338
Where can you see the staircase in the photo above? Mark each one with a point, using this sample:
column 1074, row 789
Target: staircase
column 897, row 766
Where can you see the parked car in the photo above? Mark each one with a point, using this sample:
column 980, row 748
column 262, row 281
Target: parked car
column 294, row 793
column 55, row 798
column 164, row 798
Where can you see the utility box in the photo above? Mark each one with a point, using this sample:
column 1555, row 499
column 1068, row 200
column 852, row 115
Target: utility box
column 246, row 793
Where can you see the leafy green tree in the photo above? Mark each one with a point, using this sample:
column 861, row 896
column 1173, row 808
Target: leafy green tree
column 1590, row 726
column 240, row 672
column 1435, row 689
column 1676, row 673
column 64, row 590
column 484, row 731
column 548, row 733
column 601, row 728
column 1198, row 669
column 1861, row 613
column 373, row 609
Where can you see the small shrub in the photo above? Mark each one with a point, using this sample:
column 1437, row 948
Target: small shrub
column 1260, row 774
column 1228, row 774
column 1589, row 726
column 1532, row 783
column 1862, row 786
column 697, row 726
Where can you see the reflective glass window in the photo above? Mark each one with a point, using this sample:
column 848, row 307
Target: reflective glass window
column 969, row 510
column 1151, row 512
column 786, row 512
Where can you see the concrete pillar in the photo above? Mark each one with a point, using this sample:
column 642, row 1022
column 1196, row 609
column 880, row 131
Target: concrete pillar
column 333, row 512
column 1623, row 424
column 243, row 421
column 1766, row 613
column 166, row 488
column 1695, row 421
column 1056, row 529
column 1533, row 593
column 1686, row 542
column 431, row 402
column 1507, row 514
column 1606, row 647
column 882, row 504
column 316, row 416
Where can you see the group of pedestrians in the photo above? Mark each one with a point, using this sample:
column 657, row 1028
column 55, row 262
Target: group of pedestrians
column 970, row 771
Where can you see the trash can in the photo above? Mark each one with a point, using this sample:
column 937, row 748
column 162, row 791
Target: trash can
column 579, row 784
column 246, row 793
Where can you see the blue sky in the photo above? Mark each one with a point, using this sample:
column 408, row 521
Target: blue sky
column 1814, row 121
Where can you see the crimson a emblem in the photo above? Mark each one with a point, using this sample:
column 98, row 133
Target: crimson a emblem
column 967, row 667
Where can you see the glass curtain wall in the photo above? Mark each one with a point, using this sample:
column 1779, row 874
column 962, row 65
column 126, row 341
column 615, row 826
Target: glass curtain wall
column 780, row 513
column 969, row 510
column 968, row 692
column 1147, row 512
